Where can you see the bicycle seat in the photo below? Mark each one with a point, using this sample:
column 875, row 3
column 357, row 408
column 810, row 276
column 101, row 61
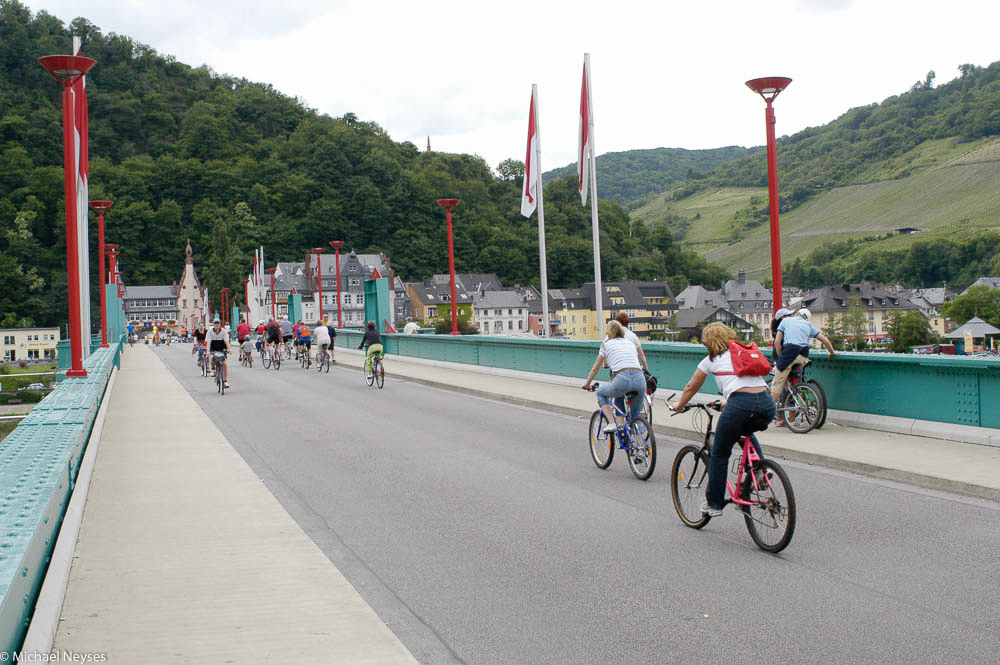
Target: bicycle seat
column 757, row 423
column 632, row 394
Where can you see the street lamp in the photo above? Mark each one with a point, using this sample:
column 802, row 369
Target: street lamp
column 224, row 301
column 274, row 306
column 101, row 207
column 336, row 244
column 67, row 69
column 449, row 205
column 319, row 277
column 768, row 88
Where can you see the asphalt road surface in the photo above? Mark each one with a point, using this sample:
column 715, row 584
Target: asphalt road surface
column 482, row 533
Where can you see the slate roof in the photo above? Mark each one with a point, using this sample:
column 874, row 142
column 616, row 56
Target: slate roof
column 871, row 296
column 978, row 327
column 500, row 299
column 693, row 318
column 147, row 292
column 696, row 297
column 992, row 282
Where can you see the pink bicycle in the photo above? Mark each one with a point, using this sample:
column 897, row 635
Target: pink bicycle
column 764, row 496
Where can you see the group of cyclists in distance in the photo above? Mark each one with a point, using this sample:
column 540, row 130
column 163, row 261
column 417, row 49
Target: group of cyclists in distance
column 276, row 337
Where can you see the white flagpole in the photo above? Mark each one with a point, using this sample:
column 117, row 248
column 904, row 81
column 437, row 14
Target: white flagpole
column 598, row 287
column 82, row 208
column 541, row 214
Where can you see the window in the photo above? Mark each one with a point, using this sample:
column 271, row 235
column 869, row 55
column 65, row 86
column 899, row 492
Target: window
column 432, row 312
column 509, row 312
column 360, row 299
column 354, row 281
column 347, row 299
column 185, row 303
column 510, row 325
column 8, row 339
column 584, row 318
column 520, row 325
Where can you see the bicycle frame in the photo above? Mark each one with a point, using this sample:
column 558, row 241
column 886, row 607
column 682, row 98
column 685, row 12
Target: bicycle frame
column 626, row 418
column 748, row 458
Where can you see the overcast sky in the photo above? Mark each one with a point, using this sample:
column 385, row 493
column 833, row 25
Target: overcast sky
column 665, row 73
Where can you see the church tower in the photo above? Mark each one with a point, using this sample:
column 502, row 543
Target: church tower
column 189, row 294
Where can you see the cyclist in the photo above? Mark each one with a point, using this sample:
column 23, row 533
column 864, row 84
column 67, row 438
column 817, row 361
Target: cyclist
column 333, row 338
column 156, row 336
column 199, row 342
column 242, row 331
column 622, row 356
column 791, row 348
column 747, row 408
column 295, row 338
column 305, row 342
column 321, row 337
column 260, row 331
column 273, row 331
column 622, row 318
column 218, row 340
column 373, row 341
column 247, row 348
column 286, row 333
column 131, row 332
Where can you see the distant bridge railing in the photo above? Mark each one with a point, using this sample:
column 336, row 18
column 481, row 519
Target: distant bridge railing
column 949, row 389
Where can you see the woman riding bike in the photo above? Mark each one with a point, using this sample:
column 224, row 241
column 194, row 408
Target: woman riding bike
column 622, row 356
column 373, row 341
column 747, row 408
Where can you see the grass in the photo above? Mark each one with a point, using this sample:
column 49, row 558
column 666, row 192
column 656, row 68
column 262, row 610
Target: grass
column 6, row 427
column 952, row 189
column 31, row 369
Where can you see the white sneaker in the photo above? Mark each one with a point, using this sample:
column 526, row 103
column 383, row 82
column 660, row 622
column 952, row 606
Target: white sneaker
column 711, row 512
column 610, row 428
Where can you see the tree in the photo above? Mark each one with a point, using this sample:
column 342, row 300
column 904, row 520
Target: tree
column 981, row 301
column 909, row 329
column 855, row 325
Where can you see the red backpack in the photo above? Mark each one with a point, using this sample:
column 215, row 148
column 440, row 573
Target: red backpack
column 747, row 359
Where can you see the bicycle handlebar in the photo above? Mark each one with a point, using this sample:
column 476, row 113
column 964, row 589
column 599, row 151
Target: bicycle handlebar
column 705, row 406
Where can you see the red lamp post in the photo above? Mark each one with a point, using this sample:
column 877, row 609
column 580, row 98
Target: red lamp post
column 101, row 207
column 274, row 305
column 768, row 88
column 319, row 277
column 449, row 205
column 67, row 69
column 224, row 301
column 337, row 244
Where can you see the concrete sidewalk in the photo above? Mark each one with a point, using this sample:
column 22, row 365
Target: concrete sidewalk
column 934, row 463
column 184, row 555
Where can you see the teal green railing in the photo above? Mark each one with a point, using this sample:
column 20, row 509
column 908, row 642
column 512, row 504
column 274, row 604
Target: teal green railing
column 963, row 390
column 39, row 462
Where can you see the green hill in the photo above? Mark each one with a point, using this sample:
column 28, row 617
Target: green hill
column 631, row 176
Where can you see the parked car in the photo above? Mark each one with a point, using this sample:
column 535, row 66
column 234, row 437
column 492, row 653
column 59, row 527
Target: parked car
column 34, row 386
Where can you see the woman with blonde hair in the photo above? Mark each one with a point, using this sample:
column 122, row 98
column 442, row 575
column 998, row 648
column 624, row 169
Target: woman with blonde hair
column 747, row 408
column 622, row 356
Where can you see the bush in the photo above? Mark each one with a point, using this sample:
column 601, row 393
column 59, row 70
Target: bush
column 443, row 327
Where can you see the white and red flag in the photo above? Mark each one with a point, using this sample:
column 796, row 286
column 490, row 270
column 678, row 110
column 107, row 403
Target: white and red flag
column 532, row 198
column 586, row 168
column 529, row 191
column 586, row 138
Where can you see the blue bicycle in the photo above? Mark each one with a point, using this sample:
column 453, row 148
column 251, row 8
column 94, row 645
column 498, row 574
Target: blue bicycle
column 634, row 436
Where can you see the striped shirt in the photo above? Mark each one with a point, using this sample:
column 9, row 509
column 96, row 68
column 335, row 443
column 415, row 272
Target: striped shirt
column 620, row 354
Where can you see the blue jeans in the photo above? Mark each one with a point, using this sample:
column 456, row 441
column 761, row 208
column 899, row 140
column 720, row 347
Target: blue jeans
column 625, row 381
column 742, row 409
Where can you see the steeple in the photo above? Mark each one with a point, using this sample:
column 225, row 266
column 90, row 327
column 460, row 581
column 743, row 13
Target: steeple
column 428, row 143
column 187, row 253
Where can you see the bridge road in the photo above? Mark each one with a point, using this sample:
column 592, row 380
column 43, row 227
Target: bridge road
column 481, row 532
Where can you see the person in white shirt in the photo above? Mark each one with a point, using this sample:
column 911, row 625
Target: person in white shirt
column 622, row 318
column 747, row 407
column 411, row 327
column 321, row 338
column 622, row 357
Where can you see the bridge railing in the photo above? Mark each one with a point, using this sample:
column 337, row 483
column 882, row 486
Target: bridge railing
column 963, row 390
column 39, row 462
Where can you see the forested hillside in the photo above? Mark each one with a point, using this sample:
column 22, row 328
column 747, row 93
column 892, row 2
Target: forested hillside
column 231, row 164
column 633, row 176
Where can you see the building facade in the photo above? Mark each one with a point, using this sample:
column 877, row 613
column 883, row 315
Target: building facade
column 148, row 306
column 501, row 313
column 29, row 343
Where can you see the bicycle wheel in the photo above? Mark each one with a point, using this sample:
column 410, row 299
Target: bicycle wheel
column 326, row 364
column 771, row 520
column 602, row 446
column 204, row 367
column 647, row 408
column 370, row 374
column 802, row 404
column 379, row 373
column 265, row 360
column 219, row 383
column 642, row 452
column 822, row 394
column 276, row 361
column 688, row 480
